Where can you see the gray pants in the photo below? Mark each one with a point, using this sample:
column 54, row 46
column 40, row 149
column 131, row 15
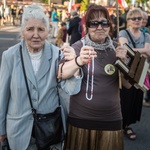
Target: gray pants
column 54, row 29
column 32, row 146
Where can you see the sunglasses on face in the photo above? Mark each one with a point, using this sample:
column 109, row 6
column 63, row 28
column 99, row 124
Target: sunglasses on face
column 134, row 18
column 95, row 24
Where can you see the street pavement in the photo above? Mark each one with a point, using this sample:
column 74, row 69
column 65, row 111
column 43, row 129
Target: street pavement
column 142, row 128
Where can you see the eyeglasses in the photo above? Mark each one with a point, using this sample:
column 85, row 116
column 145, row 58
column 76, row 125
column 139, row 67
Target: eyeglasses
column 134, row 18
column 95, row 24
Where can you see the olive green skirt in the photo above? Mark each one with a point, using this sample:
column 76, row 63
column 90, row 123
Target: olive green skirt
column 84, row 139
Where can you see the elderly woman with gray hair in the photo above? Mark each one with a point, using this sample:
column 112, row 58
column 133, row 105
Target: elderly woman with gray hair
column 42, row 71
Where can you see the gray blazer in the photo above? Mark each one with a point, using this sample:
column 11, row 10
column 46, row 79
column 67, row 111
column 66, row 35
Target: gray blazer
column 16, row 119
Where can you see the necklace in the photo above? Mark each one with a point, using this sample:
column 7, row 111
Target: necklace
column 92, row 78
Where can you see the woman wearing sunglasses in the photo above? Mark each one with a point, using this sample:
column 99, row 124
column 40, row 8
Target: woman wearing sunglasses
column 131, row 100
column 95, row 120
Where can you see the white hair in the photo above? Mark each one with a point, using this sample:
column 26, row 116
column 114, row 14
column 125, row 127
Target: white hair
column 34, row 11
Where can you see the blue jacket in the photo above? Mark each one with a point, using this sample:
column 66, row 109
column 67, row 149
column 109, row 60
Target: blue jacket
column 16, row 119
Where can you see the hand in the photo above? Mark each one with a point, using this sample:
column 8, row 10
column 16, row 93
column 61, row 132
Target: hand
column 121, row 53
column 68, row 51
column 86, row 53
column 2, row 138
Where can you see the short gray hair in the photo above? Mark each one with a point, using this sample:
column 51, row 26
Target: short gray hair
column 133, row 11
column 34, row 11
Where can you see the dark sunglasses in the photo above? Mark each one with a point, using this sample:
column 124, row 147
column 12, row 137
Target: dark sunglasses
column 134, row 18
column 95, row 24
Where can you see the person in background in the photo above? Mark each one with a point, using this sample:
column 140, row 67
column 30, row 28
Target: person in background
column 13, row 14
column 60, row 15
column 41, row 61
column 20, row 13
column 95, row 119
column 74, row 26
column 144, row 29
column 49, row 13
column 55, row 19
column 132, row 99
column 112, row 14
column 148, row 21
column 124, row 15
column 62, row 35
column 83, row 25
column 7, row 13
column 2, row 13
column 65, row 15
column 1, row 19
column 121, row 24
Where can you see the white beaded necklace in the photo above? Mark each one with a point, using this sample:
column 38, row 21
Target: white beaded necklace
column 88, row 76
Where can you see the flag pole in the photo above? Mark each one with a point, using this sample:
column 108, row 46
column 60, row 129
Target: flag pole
column 117, row 15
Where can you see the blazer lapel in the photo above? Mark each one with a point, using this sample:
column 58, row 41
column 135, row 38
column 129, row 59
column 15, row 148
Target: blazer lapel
column 45, row 62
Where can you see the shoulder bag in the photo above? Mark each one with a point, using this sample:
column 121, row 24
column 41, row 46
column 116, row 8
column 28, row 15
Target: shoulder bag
column 47, row 128
column 4, row 145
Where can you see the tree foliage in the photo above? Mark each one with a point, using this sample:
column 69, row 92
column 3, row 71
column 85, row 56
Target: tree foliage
column 84, row 5
column 78, row 1
column 137, row 1
column 44, row 1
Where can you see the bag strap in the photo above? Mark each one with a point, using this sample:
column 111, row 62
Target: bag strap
column 28, row 91
column 25, row 77
column 131, row 38
column 59, row 80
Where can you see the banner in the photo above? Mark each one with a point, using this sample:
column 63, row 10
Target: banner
column 122, row 3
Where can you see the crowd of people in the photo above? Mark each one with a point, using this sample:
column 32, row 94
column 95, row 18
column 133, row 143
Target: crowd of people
column 11, row 14
column 98, row 118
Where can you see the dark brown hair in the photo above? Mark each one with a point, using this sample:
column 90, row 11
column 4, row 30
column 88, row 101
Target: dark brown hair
column 93, row 11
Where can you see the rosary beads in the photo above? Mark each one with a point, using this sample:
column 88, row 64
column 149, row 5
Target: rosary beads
column 90, row 64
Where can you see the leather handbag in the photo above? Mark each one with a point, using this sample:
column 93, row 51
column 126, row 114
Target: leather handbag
column 47, row 128
column 5, row 145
